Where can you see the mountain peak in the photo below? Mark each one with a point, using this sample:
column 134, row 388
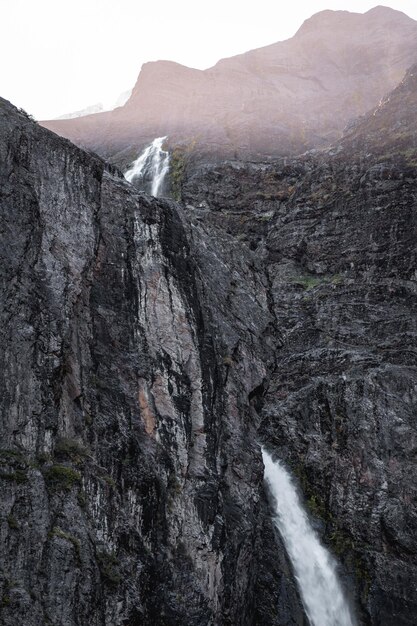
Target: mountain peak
column 283, row 98
column 323, row 19
column 381, row 9
column 384, row 13
column 329, row 19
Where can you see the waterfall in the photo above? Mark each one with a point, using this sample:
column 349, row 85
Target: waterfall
column 314, row 567
column 150, row 167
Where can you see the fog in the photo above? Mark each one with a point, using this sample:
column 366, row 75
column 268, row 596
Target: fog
column 58, row 57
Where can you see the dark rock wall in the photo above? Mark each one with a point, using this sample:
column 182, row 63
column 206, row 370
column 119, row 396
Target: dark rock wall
column 130, row 474
column 335, row 233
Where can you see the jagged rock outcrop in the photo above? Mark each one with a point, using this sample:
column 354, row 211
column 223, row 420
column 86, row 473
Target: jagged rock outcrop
column 278, row 100
column 131, row 479
column 336, row 232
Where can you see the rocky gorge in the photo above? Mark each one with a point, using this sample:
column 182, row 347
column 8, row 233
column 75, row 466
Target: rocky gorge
column 150, row 346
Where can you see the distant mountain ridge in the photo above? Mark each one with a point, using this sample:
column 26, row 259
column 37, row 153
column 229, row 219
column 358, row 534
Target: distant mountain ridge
column 97, row 108
column 281, row 99
column 90, row 110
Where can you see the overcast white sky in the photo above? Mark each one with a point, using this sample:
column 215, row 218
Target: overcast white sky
column 58, row 57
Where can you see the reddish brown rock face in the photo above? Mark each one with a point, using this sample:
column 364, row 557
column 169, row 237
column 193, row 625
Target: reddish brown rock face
column 281, row 99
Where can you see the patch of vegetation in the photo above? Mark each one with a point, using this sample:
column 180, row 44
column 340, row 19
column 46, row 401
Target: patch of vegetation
column 9, row 456
column 27, row 115
column 58, row 532
column 401, row 153
column 82, row 500
column 301, row 475
column 5, row 601
column 19, row 462
column 315, row 502
column 129, row 459
column 94, row 380
column 341, row 541
column 321, row 196
column 410, row 156
column 228, row 360
column 309, row 282
column 109, row 481
column 362, row 573
column 71, row 449
column 177, row 169
column 12, row 521
column 337, row 279
column 8, row 586
column 62, row 477
column 18, row 476
column 97, row 381
column 267, row 195
column 109, row 567
column 316, row 506
column 174, row 485
column 16, row 466
column 351, row 551
column 43, row 457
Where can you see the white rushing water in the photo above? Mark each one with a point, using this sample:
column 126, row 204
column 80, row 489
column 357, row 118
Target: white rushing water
column 314, row 567
column 150, row 167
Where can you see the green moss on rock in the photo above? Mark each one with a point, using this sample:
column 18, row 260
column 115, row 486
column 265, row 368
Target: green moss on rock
column 62, row 478
column 109, row 568
column 177, row 169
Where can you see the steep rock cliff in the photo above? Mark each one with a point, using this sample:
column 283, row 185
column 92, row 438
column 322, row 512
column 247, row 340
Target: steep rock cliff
column 336, row 234
column 130, row 359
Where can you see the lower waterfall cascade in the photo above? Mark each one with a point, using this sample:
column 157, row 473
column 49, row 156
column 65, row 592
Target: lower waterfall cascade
column 150, row 167
column 314, row 567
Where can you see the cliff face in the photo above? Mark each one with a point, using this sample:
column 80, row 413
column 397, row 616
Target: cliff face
column 131, row 478
column 280, row 99
column 147, row 346
column 336, row 233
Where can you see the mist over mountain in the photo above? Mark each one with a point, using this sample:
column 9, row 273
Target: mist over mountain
column 97, row 108
column 282, row 99
column 93, row 108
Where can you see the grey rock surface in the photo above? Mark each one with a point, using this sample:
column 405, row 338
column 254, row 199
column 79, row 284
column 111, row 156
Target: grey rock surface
column 336, row 233
column 131, row 478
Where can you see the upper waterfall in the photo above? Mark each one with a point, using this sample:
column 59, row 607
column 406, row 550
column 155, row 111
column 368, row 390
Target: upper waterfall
column 314, row 567
column 150, row 167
